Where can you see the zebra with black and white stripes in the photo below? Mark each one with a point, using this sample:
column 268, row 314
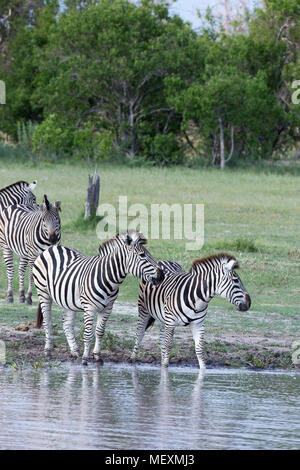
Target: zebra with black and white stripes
column 27, row 230
column 88, row 284
column 182, row 299
column 17, row 193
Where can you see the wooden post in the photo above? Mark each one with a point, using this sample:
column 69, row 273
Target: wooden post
column 92, row 198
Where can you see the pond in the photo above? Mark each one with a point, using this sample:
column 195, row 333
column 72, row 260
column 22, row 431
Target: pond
column 119, row 406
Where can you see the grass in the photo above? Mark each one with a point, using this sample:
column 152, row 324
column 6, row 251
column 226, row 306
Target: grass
column 253, row 215
column 246, row 245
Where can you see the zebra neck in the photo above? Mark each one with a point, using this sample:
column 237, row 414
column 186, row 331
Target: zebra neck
column 207, row 283
column 114, row 265
column 41, row 235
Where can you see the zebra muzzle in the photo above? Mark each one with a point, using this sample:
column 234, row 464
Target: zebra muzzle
column 244, row 306
column 53, row 238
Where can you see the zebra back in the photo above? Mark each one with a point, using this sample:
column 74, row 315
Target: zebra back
column 17, row 193
column 182, row 297
column 91, row 280
column 171, row 266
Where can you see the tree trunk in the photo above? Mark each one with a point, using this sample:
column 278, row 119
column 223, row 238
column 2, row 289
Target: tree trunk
column 223, row 159
column 222, row 146
column 92, row 198
column 214, row 149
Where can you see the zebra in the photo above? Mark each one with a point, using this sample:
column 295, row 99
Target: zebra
column 27, row 230
column 17, row 193
column 88, row 284
column 182, row 299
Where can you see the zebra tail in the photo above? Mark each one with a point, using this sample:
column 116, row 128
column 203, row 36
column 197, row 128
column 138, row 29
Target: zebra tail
column 39, row 317
column 150, row 322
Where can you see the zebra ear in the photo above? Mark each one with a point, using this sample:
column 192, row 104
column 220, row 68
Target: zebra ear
column 230, row 265
column 57, row 205
column 32, row 185
column 46, row 202
column 128, row 240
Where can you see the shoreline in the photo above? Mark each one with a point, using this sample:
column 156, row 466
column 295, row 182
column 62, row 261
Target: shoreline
column 25, row 346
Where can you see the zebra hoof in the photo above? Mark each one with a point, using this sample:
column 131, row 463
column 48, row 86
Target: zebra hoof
column 75, row 354
column 10, row 300
column 84, row 361
column 98, row 359
column 21, row 300
column 131, row 360
column 28, row 300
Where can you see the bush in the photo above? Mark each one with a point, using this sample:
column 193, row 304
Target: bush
column 163, row 149
column 246, row 245
column 52, row 136
column 25, row 131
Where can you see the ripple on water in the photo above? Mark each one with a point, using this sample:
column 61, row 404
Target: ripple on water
column 125, row 407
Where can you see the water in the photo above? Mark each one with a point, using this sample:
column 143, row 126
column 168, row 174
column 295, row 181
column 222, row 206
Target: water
column 127, row 407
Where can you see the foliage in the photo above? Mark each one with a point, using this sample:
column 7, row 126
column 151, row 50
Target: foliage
column 51, row 136
column 100, row 79
column 25, row 131
column 241, row 244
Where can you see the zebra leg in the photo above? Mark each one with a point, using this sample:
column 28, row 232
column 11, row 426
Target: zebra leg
column 29, row 292
column 68, row 327
column 100, row 329
column 166, row 339
column 47, row 323
column 9, row 262
column 140, row 332
column 22, row 271
column 88, row 335
column 198, row 335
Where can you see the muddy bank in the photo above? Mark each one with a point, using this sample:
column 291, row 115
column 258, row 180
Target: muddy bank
column 24, row 346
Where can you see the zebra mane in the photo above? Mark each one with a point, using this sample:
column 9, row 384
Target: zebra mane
column 18, row 183
column 218, row 257
column 113, row 243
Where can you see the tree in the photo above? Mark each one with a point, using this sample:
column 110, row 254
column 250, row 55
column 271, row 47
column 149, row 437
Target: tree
column 234, row 102
column 30, row 22
column 106, row 64
column 278, row 23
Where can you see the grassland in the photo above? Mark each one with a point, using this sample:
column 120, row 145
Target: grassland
column 253, row 215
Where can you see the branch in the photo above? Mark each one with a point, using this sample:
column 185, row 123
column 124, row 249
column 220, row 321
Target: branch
column 170, row 115
column 5, row 18
column 152, row 112
column 283, row 27
column 189, row 141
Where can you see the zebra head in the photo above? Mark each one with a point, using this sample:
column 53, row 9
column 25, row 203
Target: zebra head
column 140, row 262
column 230, row 286
column 51, row 220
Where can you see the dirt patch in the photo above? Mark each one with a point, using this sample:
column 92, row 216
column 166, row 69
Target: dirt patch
column 25, row 345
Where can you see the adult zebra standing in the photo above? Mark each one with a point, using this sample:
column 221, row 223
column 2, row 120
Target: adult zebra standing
column 17, row 193
column 88, row 284
column 27, row 230
column 182, row 299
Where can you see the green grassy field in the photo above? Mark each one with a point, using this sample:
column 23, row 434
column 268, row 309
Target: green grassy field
column 252, row 215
